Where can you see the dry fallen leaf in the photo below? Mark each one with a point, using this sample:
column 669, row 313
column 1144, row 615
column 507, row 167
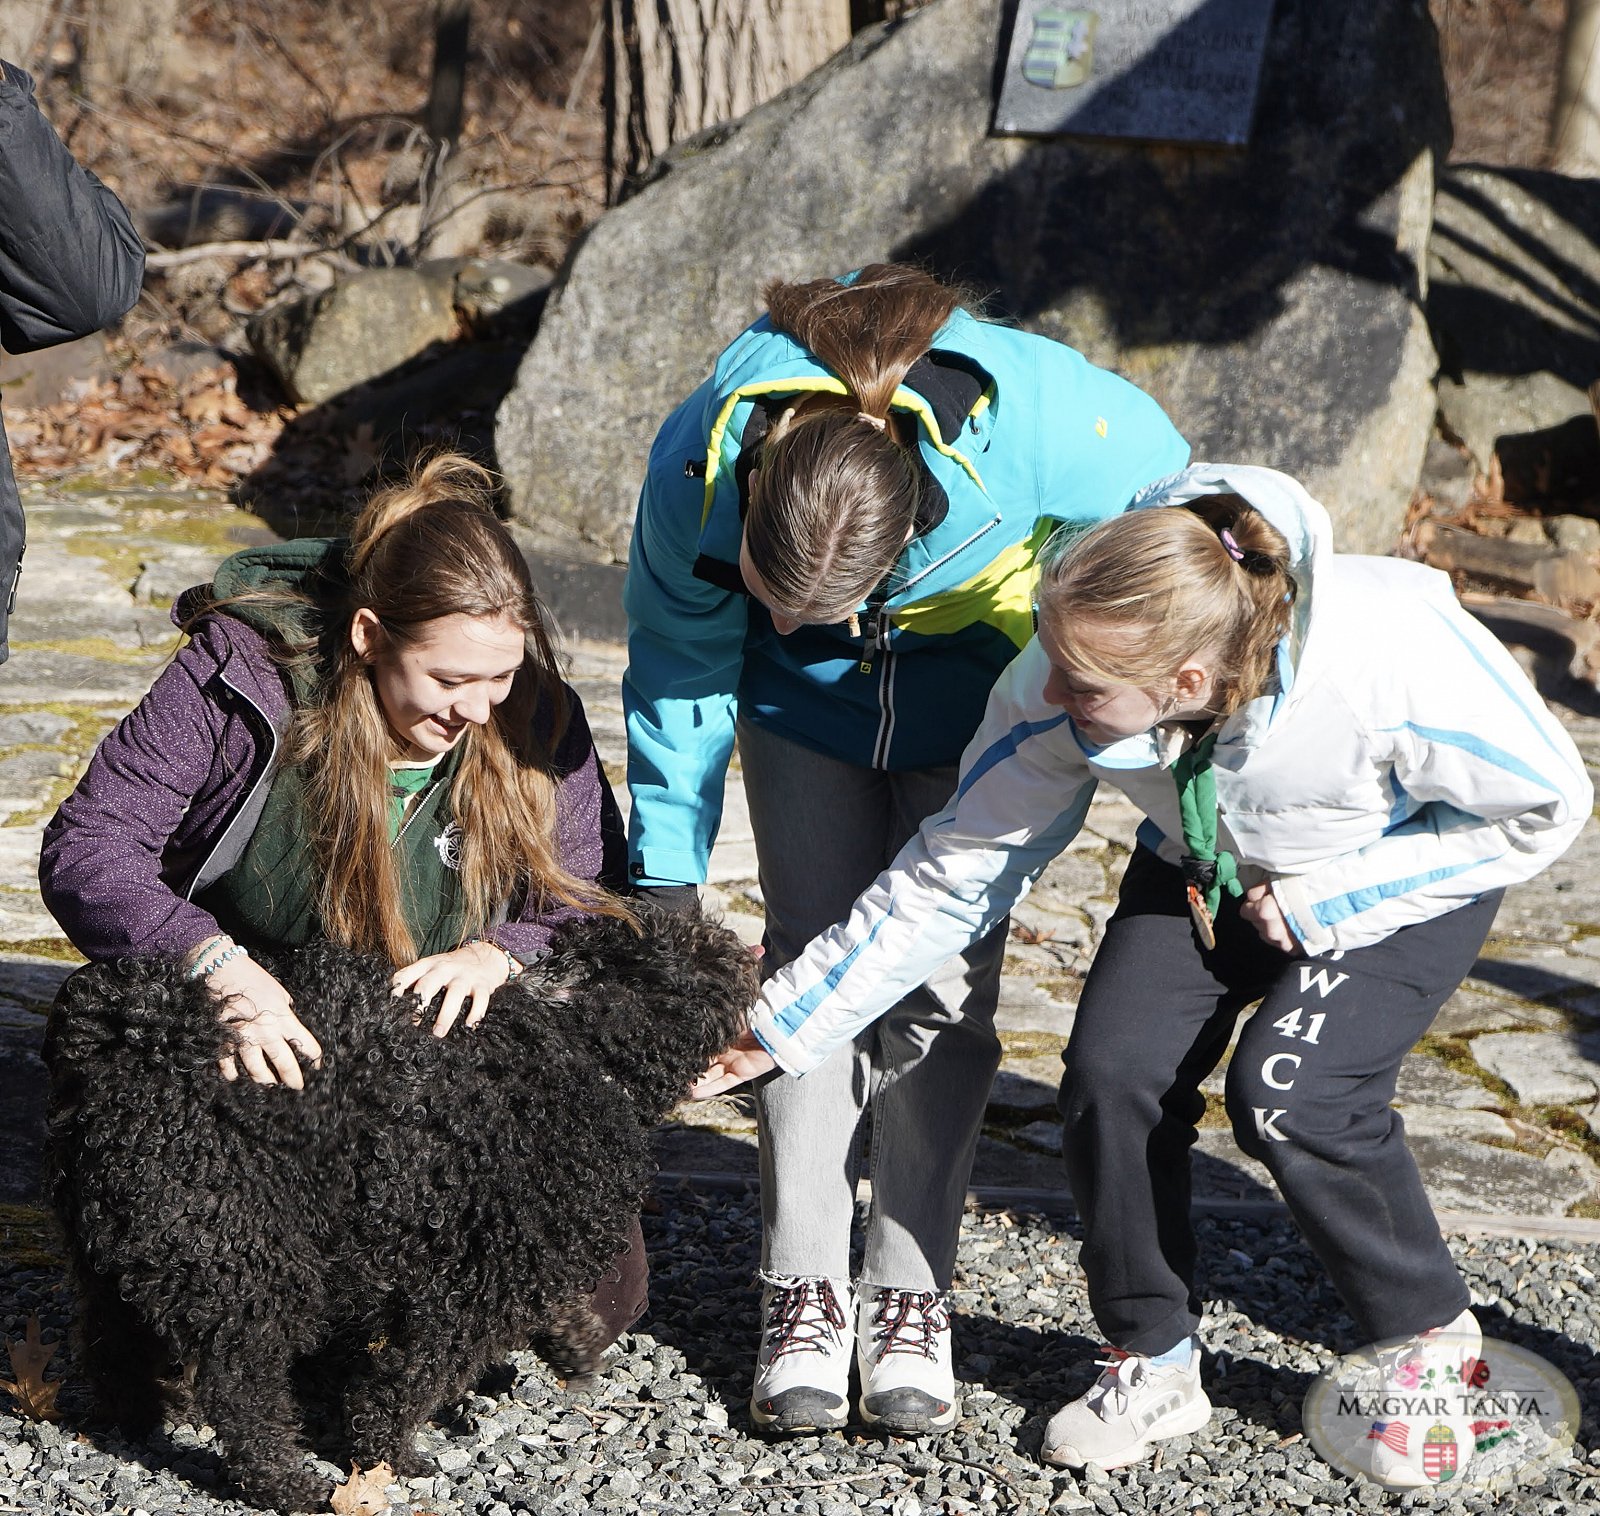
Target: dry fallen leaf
column 198, row 428
column 362, row 1494
column 35, row 1398
column 1032, row 935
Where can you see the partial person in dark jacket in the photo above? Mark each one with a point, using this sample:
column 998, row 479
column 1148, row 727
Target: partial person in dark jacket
column 70, row 263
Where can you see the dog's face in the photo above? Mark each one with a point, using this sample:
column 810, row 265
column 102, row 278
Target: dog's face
column 656, row 1003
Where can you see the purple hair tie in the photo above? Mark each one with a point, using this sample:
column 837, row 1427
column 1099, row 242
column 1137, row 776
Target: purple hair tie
column 1235, row 552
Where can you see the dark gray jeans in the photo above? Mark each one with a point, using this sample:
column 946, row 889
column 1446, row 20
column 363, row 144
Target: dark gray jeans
column 824, row 830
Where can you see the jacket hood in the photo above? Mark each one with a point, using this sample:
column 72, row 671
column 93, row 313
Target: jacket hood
column 763, row 358
column 312, row 566
column 1282, row 500
column 764, row 361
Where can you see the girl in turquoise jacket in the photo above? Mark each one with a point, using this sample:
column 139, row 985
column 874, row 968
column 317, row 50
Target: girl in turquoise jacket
column 834, row 557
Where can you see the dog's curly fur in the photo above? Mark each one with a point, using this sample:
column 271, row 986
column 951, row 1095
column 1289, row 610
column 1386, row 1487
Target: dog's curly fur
column 423, row 1206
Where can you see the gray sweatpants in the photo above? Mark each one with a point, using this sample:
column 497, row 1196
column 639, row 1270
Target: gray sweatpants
column 824, row 830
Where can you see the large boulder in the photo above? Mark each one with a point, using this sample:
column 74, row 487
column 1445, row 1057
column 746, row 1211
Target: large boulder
column 362, row 327
column 1514, row 302
column 1269, row 297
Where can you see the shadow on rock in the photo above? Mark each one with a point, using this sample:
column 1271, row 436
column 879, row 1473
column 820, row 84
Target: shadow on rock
column 329, row 457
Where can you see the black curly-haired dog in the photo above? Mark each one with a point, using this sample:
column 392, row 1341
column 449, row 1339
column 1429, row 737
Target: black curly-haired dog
column 420, row 1208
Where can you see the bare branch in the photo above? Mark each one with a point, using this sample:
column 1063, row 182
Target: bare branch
column 257, row 252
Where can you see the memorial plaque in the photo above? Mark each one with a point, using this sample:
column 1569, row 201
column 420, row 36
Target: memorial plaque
column 1156, row 70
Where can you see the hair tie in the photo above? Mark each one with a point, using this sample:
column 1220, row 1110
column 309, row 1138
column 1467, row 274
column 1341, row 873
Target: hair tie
column 1235, row 552
column 877, row 422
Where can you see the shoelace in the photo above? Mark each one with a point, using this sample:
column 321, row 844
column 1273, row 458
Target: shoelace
column 806, row 1318
column 909, row 1321
column 1112, row 1384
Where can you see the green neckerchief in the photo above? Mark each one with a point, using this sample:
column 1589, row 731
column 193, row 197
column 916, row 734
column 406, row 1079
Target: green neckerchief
column 406, row 782
column 1208, row 870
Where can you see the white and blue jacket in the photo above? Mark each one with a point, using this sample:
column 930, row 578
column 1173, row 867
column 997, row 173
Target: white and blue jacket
column 1404, row 767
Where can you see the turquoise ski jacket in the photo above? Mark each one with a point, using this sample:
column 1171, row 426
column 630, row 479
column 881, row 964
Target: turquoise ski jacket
column 1017, row 434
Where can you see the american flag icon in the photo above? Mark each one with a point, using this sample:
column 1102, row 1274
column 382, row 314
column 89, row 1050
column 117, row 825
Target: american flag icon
column 1390, row 1433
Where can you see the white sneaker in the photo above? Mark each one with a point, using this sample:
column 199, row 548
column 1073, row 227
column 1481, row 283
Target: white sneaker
column 803, row 1366
column 1432, row 1367
column 908, row 1387
column 1130, row 1406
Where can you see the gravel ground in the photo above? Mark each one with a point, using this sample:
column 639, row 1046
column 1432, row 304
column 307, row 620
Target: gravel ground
column 666, row 1430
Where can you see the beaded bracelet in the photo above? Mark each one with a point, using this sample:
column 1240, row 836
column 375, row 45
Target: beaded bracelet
column 206, row 967
column 513, row 967
column 203, row 949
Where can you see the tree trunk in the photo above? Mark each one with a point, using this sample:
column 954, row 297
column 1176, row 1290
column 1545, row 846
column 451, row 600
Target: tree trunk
column 126, row 44
column 1575, row 122
column 675, row 67
column 23, row 28
column 439, row 184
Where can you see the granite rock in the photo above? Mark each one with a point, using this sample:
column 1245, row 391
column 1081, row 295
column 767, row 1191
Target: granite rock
column 1543, row 1068
column 362, row 327
column 1514, row 266
column 1268, row 297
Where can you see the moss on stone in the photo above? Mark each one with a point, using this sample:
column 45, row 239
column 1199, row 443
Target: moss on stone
column 215, row 530
column 1216, row 1112
column 1455, row 1053
column 119, row 559
column 1032, row 1044
column 103, row 649
column 93, row 481
column 56, row 948
column 1569, row 1127
column 89, row 725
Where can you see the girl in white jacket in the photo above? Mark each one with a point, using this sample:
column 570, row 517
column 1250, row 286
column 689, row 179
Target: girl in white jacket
column 1341, row 771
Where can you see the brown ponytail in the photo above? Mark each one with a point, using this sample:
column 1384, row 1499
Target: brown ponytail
column 836, row 496
column 1167, row 574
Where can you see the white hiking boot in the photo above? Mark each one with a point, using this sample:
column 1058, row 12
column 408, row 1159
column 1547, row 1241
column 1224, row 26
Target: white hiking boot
column 908, row 1387
column 803, row 1366
column 1131, row 1406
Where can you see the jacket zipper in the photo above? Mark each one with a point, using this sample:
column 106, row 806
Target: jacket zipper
column 268, row 772
column 876, row 633
column 879, row 633
column 420, row 800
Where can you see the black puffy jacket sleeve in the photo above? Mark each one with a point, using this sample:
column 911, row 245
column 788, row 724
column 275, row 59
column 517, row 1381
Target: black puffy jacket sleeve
column 70, row 263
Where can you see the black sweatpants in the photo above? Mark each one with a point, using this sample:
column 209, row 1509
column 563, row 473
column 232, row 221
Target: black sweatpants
column 1308, row 1093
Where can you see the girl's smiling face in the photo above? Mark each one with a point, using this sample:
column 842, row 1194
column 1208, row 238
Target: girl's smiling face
column 1102, row 709
column 432, row 690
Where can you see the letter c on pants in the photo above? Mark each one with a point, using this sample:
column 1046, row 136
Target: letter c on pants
column 1267, row 1077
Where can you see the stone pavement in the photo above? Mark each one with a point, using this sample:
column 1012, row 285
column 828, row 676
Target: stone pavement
column 1502, row 1100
